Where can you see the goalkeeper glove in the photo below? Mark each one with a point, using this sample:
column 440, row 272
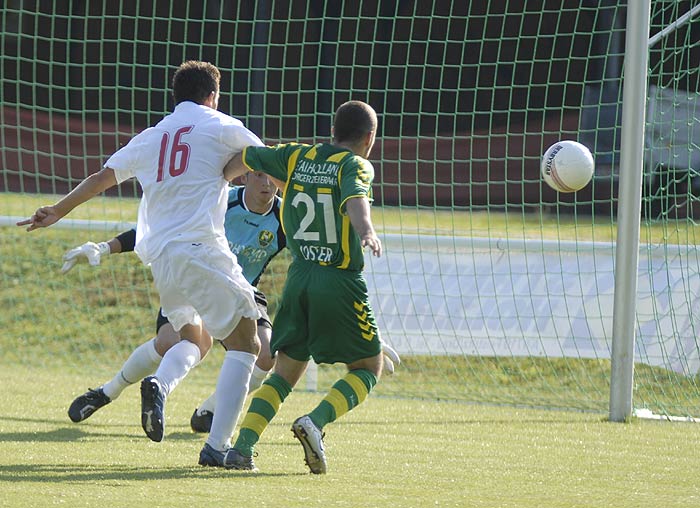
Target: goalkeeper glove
column 89, row 251
column 391, row 357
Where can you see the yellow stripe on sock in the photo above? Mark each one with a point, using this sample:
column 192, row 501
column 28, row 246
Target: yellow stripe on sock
column 338, row 401
column 269, row 395
column 357, row 385
column 255, row 422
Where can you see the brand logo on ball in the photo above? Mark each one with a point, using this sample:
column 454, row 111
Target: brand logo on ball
column 550, row 160
column 567, row 166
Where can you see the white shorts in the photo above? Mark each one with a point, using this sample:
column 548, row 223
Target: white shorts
column 200, row 282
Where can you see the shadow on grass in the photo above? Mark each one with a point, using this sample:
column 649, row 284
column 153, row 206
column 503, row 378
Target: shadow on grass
column 56, row 435
column 27, row 419
column 77, row 434
column 90, row 473
column 83, row 430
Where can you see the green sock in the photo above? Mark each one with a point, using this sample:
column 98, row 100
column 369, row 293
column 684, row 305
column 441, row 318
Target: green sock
column 345, row 394
column 264, row 406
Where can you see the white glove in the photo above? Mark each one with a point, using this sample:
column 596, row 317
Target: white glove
column 89, row 251
column 391, row 357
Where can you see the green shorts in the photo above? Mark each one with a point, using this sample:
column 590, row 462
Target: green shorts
column 325, row 314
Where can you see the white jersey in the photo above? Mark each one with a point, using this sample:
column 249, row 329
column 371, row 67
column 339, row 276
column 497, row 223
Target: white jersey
column 179, row 163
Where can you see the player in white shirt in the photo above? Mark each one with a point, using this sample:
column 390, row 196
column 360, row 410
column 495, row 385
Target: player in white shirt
column 181, row 166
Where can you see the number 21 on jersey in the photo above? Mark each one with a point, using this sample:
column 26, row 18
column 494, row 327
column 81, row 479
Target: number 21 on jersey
column 176, row 156
column 325, row 199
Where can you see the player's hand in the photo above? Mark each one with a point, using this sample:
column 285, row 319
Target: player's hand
column 42, row 218
column 391, row 358
column 89, row 251
column 373, row 242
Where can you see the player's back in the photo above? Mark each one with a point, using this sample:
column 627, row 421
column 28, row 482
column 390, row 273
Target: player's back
column 322, row 179
column 179, row 164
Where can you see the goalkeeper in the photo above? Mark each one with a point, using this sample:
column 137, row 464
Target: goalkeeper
column 254, row 233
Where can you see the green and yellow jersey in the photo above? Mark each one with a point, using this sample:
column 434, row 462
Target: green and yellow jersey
column 319, row 181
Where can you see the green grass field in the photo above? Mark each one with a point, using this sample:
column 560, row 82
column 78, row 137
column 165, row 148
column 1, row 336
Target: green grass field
column 402, row 448
column 390, row 452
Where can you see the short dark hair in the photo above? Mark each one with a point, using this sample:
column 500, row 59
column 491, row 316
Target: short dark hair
column 195, row 81
column 353, row 120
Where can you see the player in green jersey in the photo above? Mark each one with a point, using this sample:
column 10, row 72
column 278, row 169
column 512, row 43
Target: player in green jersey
column 324, row 312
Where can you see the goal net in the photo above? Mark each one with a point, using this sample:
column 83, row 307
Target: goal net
column 493, row 287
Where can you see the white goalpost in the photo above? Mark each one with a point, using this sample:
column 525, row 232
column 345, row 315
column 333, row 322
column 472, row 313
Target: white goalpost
column 629, row 208
column 632, row 149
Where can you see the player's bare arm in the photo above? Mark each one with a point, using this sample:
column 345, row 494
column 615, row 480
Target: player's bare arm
column 235, row 167
column 86, row 190
column 358, row 209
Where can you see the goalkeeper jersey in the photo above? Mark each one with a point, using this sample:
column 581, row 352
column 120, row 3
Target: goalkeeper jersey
column 319, row 181
column 254, row 238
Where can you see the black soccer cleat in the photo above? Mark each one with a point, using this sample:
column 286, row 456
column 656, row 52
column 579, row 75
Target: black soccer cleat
column 84, row 406
column 229, row 459
column 201, row 422
column 153, row 408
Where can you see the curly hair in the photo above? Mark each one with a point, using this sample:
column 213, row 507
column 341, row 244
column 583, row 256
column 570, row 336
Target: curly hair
column 195, row 81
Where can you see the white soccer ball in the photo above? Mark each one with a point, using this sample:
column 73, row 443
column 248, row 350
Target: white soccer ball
column 567, row 166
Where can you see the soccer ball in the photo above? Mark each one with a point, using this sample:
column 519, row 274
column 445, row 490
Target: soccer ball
column 567, row 166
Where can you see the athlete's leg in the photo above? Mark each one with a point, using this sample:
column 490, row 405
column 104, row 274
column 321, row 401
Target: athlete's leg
column 262, row 368
column 242, row 347
column 142, row 362
column 345, row 394
column 265, row 360
column 267, row 400
column 349, row 391
column 180, row 352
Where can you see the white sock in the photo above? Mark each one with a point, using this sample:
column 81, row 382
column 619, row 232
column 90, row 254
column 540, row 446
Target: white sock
column 256, row 379
column 207, row 405
column 231, row 391
column 142, row 362
column 176, row 363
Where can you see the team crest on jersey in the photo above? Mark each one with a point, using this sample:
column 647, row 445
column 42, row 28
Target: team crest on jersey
column 265, row 238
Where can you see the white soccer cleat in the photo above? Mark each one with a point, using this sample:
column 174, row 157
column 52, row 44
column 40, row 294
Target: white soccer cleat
column 311, row 439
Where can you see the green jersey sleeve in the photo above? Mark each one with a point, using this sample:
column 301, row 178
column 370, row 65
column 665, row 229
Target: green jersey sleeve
column 277, row 161
column 356, row 180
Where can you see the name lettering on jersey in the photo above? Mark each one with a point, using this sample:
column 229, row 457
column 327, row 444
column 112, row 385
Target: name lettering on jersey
column 323, row 173
column 316, row 253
